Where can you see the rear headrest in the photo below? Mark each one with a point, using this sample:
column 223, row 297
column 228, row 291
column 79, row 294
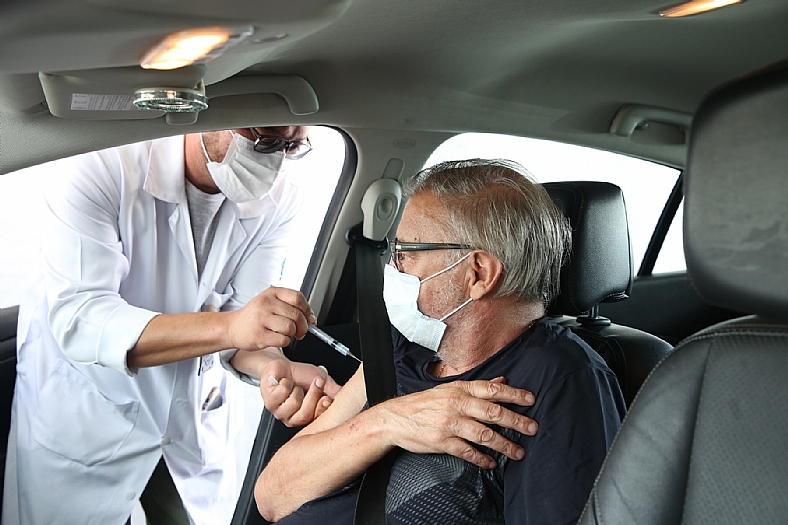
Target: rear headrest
column 736, row 191
column 600, row 266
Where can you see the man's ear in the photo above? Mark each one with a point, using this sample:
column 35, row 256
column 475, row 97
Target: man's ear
column 485, row 275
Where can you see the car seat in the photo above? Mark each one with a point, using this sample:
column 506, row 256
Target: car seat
column 8, row 318
column 705, row 440
column 600, row 269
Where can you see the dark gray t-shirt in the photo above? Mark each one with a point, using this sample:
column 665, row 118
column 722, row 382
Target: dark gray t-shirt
column 579, row 407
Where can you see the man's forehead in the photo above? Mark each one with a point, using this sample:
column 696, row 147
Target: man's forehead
column 422, row 218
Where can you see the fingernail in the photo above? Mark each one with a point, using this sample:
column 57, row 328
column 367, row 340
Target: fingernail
column 312, row 319
column 324, row 369
column 532, row 428
column 529, row 398
column 520, row 454
column 319, row 382
column 326, row 402
column 273, row 381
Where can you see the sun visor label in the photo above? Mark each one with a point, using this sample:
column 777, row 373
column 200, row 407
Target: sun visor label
column 88, row 102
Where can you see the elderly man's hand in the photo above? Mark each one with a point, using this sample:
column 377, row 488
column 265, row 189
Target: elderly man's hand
column 296, row 393
column 449, row 417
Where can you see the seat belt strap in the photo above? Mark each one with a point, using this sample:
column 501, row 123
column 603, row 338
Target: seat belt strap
column 374, row 325
column 379, row 373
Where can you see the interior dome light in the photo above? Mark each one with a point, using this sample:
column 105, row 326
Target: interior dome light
column 172, row 100
column 192, row 45
column 695, row 7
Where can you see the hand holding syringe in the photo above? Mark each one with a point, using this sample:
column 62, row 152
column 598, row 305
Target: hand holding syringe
column 330, row 341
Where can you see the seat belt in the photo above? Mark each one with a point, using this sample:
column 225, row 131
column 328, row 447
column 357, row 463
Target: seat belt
column 368, row 240
column 374, row 326
column 379, row 374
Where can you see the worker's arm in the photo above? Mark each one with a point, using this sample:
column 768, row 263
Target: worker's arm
column 270, row 319
column 303, row 391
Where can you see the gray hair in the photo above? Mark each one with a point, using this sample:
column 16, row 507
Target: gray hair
column 498, row 207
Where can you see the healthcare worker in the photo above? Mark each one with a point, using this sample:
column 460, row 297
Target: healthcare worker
column 157, row 260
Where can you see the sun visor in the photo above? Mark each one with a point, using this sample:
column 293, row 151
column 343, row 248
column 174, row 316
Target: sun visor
column 104, row 47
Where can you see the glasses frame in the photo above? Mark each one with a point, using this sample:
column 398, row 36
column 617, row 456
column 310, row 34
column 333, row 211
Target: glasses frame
column 279, row 143
column 396, row 246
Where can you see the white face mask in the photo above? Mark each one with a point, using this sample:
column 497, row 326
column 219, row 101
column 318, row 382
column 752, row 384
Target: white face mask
column 401, row 293
column 244, row 175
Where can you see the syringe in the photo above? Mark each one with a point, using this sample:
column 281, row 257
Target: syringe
column 330, row 341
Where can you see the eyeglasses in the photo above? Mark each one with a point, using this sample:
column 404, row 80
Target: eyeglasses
column 294, row 149
column 397, row 247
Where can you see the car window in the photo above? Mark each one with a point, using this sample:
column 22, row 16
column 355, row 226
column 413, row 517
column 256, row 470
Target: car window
column 20, row 209
column 21, row 200
column 646, row 185
column 671, row 256
column 317, row 175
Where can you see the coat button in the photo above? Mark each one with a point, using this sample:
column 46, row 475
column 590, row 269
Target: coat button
column 165, row 441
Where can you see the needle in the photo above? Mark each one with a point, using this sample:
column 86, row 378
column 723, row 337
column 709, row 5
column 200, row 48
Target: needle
column 330, row 341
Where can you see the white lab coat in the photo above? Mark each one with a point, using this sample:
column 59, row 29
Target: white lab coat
column 86, row 431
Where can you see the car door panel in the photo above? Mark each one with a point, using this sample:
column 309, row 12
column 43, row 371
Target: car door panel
column 667, row 306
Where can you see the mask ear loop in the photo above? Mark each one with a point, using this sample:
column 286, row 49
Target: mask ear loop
column 455, row 263
column 455, row 310
column 205, row 151
column 452, row 265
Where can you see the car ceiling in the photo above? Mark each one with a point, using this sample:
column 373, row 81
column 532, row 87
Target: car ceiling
column 555, row 69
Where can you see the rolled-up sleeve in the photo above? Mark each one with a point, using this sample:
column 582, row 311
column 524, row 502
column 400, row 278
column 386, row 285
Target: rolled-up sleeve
column 84, row 264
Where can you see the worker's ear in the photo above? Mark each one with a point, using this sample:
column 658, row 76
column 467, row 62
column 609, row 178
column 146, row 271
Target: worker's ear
column 486, row 272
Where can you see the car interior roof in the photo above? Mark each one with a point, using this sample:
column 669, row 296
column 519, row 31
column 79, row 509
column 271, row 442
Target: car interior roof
column 548, row 69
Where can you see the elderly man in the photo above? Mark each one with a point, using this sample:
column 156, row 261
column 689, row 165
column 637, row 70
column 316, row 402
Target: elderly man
column 476, row 260
column 157, row 256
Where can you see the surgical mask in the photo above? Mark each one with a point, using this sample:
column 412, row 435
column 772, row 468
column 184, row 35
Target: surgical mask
column 401, row 294
column 244, row 175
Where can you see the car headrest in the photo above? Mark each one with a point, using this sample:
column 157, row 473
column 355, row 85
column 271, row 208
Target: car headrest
column 600, row 265
column 736, row 191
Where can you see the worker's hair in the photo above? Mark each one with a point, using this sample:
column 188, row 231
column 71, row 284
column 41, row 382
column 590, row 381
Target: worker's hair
column 497, row 206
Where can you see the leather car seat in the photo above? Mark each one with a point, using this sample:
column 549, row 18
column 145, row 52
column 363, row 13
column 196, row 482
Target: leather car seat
column 706, row 439
column 600, row 269
column 8, row 319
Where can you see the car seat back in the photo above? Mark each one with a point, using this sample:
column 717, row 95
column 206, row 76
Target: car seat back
column 8, row 318
column 705, row 441
column 600, row 269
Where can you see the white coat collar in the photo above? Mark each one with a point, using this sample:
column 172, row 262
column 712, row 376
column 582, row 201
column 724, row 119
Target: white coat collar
column 165, row 179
